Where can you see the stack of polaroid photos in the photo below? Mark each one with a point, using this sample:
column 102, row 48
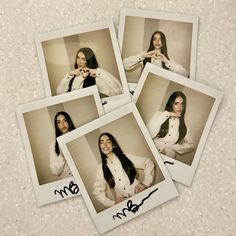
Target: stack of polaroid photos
column 120, row 121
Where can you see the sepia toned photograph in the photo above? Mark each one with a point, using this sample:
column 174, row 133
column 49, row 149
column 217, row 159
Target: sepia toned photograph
column 42, row 122
column 178, row 114
column 115, row 162
column 166, row 40
column 80, row 57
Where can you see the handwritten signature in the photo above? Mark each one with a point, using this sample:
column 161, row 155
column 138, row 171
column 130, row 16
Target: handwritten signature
column 73, row 189
column 132, row 92
column 132, row 207
column 169, row 162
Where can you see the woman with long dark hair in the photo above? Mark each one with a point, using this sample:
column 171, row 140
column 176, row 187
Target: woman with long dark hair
column 117, row 172
column 63, row 124
column 87, row 73
column 156, row 54
column 169, row 130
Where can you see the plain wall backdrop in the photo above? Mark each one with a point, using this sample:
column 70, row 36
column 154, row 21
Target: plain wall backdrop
column 154, row 96
column 137, row 36
column 60, row 54
column 86, row 155
column 41, row 130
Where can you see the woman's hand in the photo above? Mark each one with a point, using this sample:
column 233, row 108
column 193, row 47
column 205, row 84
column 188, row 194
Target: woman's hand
column 120, row 199
column 149, row 54
column 161, row 57
column 173, row 114
column 84, row 71
column 163, row 151
column 139, row 188
column 92, row 72
column 156, row 54
column 76, row 72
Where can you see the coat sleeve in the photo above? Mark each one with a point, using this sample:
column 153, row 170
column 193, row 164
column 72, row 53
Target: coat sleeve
column 186, row 145
column 64, row 84
column 107, row 83
column 156, row 121
column 100, row 188
column 146, row 164
column 57, row 162
column 133, row 61
column 177, row 68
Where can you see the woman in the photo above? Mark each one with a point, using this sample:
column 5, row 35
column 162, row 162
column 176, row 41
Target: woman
column 117, row 172
column 63, row 124
column 156, row 54
column 168, row 128
column 87, row 73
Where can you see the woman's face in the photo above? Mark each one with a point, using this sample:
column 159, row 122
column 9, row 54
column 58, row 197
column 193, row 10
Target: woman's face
column 81, row 60
column 178, row 105
column 157, row 41
column 105, row 145
column 62, row 124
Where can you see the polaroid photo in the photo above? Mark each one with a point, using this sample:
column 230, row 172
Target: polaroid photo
column 83, row 56
column 166, row 40
column 41, row 122
column 178, row 114
column 120, row 172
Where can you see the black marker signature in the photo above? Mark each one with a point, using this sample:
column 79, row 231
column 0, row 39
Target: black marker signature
column 169, row 162
column 104, row 103
column 73, row 188
column 132, row 92
column 132, row 207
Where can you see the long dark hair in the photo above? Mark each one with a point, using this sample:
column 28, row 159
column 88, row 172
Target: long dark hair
column 58, row 131
column 91, row 62
column 163, row 49
column 169, row 107
column 127, row 165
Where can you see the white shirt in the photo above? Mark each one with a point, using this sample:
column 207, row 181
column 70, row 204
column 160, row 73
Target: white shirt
column 58, row 163
column 169, row 141
column 122, row 188
column 134, row 61
column 106, row 83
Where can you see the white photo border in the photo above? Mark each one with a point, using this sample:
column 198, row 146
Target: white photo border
column 162, row 16
column 166, row 188
column 45, row 193
column 109, row 103
column 179, row 171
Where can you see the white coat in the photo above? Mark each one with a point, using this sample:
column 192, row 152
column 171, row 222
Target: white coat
column 137, row 60
column 58, row 163
column 106, row 83
column 122, row 188
column 169, row 141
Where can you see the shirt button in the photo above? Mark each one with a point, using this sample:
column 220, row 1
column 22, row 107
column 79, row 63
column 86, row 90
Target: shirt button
column 119, row 179
column 159, row 149
column 171, row 126
column 169, row 134
column 124, row 188
column 111, row 162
